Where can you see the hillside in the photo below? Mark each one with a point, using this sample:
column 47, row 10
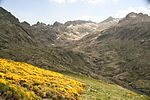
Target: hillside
column 22, row 42
column 99, row 90
column 115, row 50
column 121, row 52
column 20, row 80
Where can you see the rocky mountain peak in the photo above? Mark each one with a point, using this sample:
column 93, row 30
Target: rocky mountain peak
column 135, row 15
column 5, row 15
column 109, row 19
column 26, row 24
column 135, row 18
column 77, row 22
column 39, row 24
column 57, row 24
column 132, row 15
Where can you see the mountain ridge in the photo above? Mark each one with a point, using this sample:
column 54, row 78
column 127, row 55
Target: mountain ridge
column 115, row 51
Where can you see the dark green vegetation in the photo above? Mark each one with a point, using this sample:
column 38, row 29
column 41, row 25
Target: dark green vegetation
column 119, row 53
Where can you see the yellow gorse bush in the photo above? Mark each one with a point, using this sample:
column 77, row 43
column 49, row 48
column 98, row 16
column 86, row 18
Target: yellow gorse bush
column 23, row 81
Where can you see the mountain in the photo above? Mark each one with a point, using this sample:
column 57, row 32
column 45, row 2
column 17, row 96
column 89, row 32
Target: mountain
column 114, row 50
column 9, row 23
column 109, row 19
column 33, row 44
column 121, row 53
column 13, row 37
column 107, row 23
column 135, row 18
column 77, row 22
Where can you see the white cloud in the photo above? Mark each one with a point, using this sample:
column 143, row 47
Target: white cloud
column 123, row 13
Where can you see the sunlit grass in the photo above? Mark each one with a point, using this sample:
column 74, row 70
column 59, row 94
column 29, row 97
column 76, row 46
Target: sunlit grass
column 99, row 90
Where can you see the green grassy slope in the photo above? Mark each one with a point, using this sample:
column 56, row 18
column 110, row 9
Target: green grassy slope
column 99, row 90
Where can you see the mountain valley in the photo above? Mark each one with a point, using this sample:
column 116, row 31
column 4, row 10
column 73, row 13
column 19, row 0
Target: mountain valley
column 116, row 51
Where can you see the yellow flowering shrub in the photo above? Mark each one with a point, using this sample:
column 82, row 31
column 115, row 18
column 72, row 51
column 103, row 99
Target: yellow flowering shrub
column 23, row 81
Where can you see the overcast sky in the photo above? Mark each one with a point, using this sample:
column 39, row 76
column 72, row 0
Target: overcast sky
column 49, row 11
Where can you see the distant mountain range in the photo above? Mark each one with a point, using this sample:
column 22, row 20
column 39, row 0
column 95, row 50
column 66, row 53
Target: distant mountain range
column 114, row 50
